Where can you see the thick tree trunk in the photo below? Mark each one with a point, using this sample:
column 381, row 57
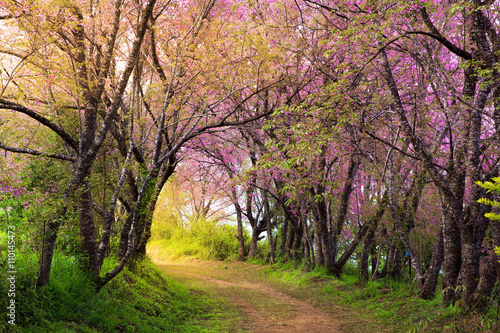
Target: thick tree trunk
column 318, row 244
column 476, row 224
column 87, row 229
column 452, row 255
column 363, row 274
column 254, row 223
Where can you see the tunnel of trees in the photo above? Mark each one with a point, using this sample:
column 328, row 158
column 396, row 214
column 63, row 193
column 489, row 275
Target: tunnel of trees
column 332, row 130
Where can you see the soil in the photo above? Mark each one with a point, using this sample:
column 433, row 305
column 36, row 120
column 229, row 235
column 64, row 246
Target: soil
column 263, row 307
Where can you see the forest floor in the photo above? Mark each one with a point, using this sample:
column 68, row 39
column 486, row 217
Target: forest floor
column 251, row 302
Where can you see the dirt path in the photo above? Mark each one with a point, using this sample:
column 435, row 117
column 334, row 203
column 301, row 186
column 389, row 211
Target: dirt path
column 265, row 308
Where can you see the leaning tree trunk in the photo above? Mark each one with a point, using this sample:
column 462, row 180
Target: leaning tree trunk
column 145, row 234
column 343, row 207
column 122, row 247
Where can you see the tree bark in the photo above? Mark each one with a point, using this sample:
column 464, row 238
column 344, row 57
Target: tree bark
column 48, row 245
column 88, row 230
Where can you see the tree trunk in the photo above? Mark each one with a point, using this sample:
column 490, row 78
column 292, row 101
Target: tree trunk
column 284, row 249
column 376, row 263
column 297, row 240
column 49, row 241
column 252, row 252
column 308, row 253
column 166, row 171
column 241, row 239
column 87, row 229
column 363, row 273
column 319, row 258
column 452, row 255
column 431, row 276
column 394, row 269
column 122, row 247
column 480, row 298
column 343, row 205
column 388, row 261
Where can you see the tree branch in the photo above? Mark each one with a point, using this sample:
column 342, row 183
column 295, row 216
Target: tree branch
column 37, row 153
column 436, row 34
column 8, row 105
column 387, row 143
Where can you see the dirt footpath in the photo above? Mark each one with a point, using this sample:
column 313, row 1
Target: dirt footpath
column 266, row 309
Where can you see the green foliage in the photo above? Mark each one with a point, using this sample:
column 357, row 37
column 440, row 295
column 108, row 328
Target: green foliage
column 31, row 203
column 493, row 186
column 29, row 212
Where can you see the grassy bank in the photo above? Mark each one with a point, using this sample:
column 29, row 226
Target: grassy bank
column 141, row 299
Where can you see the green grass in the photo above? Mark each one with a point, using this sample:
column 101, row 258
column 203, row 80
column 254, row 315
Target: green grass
column 141, row 299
